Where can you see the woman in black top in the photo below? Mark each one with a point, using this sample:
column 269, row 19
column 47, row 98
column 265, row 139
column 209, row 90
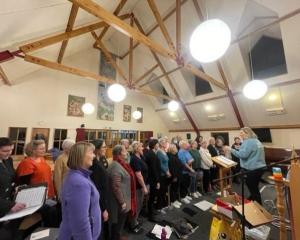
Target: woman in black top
column 140, row 169
column 175, row 168
column 9, row 230
column 154, row 175
column 100, row 178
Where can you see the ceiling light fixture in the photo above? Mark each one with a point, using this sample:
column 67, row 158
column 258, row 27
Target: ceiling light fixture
column 210, row 40
column 88, row 108
column 173, row 106
column 255, row 89
column 136, row 115
column 116, row 92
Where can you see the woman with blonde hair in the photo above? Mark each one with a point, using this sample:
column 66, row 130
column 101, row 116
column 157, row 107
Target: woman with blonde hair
column 61, row 168
column 81, row 214
column 252, row 156
column 34, row 169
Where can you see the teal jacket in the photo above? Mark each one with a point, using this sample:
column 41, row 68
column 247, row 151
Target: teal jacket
column 251, row 154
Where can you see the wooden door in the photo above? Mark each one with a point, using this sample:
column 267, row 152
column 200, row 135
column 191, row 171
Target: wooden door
column 41, row 132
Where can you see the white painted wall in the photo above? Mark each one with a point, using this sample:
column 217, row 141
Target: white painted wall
column 40, row 100
column 281, row 138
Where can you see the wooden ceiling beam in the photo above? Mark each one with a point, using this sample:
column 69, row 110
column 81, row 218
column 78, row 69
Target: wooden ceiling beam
column 184, row 108
column 4, row 77
column 64, row 36
column 188, row 67
column 116, row 12
column 109, row 56
column 71, row 21
column 167, row 16
column 130, row 65
column 178, row 27
column 145, row 74
column 161, row 76
column 85, row 74
column 122, row 26
column 161, row 24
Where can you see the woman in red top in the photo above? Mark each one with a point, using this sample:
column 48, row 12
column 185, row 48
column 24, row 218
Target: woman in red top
column 34, row 168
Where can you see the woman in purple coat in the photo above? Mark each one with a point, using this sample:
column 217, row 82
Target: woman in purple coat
column 81, row 214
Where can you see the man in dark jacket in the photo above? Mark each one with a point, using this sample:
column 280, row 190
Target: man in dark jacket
column 8, row 230
column 153, row 174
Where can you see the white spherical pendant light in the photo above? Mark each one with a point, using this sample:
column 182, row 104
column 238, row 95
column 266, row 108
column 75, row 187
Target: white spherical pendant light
column 173, row 106
column 116, row 92
column 255, row 89
column 88, row 108
column 210, row 40
column 136, row 115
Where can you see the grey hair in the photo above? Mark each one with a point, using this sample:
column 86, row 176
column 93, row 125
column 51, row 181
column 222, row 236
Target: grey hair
column 117, row 150
column 67, row 144
column 124, row 140
column 162, row 140
column 182, row 142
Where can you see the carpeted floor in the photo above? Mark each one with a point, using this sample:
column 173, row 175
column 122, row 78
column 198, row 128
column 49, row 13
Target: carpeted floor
column 203, row 219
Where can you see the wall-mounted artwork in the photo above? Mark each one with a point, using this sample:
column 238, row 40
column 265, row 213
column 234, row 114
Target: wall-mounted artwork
column 74, row 106
column 141, row 119
column 105, row 107
column 126, row 113
column 106, row 69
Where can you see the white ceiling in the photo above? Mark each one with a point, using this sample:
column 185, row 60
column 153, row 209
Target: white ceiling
column 32, row 19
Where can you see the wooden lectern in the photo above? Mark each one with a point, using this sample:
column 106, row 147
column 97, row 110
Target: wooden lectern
column 225, row 166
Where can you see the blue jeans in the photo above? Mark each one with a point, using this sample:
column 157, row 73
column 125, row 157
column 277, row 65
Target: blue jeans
column 194, row 179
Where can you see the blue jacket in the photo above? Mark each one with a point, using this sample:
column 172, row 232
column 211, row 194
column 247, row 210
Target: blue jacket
column 251, row 154
column 81, row 214
column 164, row 162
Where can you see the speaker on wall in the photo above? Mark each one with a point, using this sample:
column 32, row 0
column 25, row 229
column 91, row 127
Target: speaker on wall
column 188, row 136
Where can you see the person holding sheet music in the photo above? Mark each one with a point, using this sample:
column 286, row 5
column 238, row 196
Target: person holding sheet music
column 81, row 213
column 8, row 230
column 252, row 157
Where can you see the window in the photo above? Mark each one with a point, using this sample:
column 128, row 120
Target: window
column 268, row 59
column 164, row 92
column 17, row 136
column 59, row 136
column 90, row 135
column 201, row 86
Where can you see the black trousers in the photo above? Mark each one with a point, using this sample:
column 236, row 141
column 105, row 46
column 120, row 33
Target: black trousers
column 152, row 197
column 10, row 230
column 184, row 185
column 174, row 194
column 206, row 179
column 252, row 182
column 117, row 228
column 162, row 193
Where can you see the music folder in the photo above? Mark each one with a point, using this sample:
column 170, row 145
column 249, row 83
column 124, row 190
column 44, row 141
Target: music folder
column 33, row 196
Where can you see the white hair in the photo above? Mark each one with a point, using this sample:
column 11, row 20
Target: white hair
column 67, row 144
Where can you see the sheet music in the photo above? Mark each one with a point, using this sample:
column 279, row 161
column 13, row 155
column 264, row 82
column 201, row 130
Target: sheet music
column 203, row 205
column 33, row 198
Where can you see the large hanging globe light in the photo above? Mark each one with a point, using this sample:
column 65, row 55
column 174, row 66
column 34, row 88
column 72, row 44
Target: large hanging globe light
column 88, row 108
column 116, row 92
column 173, row 106
column 210, row 40
column 136, row 114
column 255, row 89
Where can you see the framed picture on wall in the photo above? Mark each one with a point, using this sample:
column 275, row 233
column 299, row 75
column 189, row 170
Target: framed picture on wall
column 126, row 113
column 106, row 69
column 105, row 107
column 74, row 106
column 141, row 119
